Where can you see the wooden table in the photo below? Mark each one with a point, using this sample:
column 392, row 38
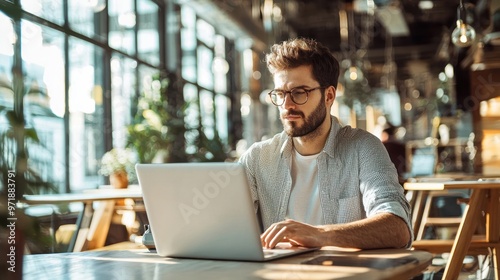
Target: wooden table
column 141, row 264
column 484, row 199
column 90, row 220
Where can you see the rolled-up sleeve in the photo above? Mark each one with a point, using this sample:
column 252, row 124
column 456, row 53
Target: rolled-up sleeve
column 379, row 183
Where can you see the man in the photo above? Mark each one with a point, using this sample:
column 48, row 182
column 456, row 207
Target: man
column 319, row 183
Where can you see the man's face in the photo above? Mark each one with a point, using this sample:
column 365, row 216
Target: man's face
column 300, row 120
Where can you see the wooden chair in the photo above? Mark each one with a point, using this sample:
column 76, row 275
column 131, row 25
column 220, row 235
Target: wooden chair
column 442, row 209
column 429, row 218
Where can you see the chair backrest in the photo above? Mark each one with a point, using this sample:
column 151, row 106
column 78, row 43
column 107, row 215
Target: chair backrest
column 442, row 209
column 447, row 205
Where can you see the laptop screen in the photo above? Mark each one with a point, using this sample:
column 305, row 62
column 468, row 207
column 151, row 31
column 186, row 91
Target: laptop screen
column 423, row 162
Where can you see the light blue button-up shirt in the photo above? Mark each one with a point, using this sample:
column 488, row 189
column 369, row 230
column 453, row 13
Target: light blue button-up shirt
column 356, row 178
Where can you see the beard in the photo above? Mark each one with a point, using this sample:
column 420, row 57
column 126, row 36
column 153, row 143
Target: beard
column 311, row 123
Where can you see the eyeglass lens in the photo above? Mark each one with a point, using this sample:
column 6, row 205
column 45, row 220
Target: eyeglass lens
column 298, row 96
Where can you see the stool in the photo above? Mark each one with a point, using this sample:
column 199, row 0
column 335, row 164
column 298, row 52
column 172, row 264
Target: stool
column 441, row 209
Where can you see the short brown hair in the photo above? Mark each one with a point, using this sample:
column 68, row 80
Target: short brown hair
column 302, row 51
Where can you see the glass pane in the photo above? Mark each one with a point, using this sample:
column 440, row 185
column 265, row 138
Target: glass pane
column 191, row 117
column 86, row 113
column 206, row 32
column 123, row 92
column 121, row 25
column 51, row 10
column 188, row 38
column 43, row 64
column 7, row 146
column 7, row 38
column 221, row 110
column 188, row 44
column 220, row 67
column 87, row 17
column 189, row 66
column 207, row 113
column 148, row 37
column 205, row 76
column 192, row 111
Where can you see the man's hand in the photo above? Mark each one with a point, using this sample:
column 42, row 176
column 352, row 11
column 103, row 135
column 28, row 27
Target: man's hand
column 383, row 230
column 298, row 234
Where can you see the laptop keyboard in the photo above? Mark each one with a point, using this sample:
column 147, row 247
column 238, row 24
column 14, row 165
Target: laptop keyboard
column 272, row 252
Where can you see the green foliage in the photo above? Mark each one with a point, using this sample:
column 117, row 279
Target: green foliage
column 357, row 91
column 156, row 123
column 17, row 138
column 209, row 150
column 157, row 132
column 28, row 179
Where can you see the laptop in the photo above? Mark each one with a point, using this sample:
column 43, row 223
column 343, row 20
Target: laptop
column 204, row 211
column 423, row 164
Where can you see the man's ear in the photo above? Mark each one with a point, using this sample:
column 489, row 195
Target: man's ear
column 330, row 94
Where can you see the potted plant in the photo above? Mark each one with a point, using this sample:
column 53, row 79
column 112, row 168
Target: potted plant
column 118, row 164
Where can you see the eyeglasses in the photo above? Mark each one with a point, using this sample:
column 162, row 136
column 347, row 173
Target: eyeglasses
column 299, row 96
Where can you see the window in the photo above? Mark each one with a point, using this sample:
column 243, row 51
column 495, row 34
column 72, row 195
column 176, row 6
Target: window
column 123, row 96
column 75, row 82
column 83, row 78
column 188, row 44
column 87, row 18
column 51, row 10
column 6, row 62
column 122, row 21
column 43, row 68
column 205, row 68
column 204, row 64
column 148, row 44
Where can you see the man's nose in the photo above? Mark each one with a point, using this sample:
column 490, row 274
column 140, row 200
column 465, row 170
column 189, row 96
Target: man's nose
column 288, row 102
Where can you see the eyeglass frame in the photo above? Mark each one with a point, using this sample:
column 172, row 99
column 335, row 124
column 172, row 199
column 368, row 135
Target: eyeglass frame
column 307, row 91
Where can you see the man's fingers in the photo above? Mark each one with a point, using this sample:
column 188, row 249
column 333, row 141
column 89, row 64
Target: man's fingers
column 280, row 232
column 274, row 234
column 278, row 237
column 268, row 233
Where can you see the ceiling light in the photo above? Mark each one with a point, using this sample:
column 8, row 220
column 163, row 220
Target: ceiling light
column 425, row 5
column 354, row 74
column 464, row 34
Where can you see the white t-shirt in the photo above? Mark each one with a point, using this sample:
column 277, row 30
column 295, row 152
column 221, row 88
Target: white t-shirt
column 304, row 204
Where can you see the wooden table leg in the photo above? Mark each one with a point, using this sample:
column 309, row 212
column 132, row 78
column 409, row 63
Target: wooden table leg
column 493, row 229
column 418, row 210
column 464, row 235
column 99, row 226
column 79, row 238
column 495, row 256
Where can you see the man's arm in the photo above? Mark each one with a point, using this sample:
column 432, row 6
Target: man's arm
column 383, row 230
